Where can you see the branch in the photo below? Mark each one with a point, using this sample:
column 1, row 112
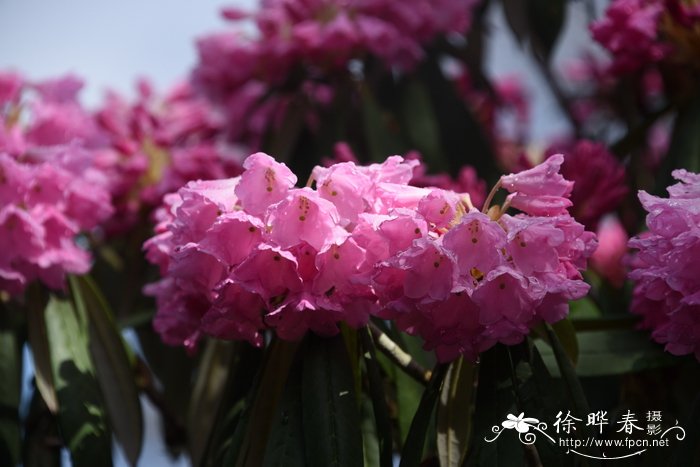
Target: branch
column 399, row 356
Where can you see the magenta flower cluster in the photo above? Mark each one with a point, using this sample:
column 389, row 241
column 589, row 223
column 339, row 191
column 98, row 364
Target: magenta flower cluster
column 666, row 270
column 242, row 255
column 155, row 144
column 599, row 180
column 50, row 188
column 629, row 31
column 326, row 34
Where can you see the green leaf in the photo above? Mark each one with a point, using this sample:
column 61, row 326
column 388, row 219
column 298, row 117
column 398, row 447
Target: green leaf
column 408, row 390
column 515, row 12
column 565, row 331
column 495, row 399
column 419, row 121
column 114, row 370
column 568, row 373
column 382, row 137
column 251, row 450
column 463, row 140
column 684, row 149
column 282, row 140
column 172, row 366
column 612, row 352
column 234, row 409
column 82, row 416
column 412, row 453
column 39, row 344
column 583, row 308
column 41, row 436
column 370, row 442
column 688, row 452
column 10, row 389
column 331, row 420
column 546, row 19
column 454, row 412
column 214, row 369
column 285, row 445
column 379, row 407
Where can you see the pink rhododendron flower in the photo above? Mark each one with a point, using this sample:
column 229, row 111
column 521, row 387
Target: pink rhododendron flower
column 665, row 269
column 51, row 189
column 363, row 242
column 599, row 180
column 154, row 145
column 247, row 75
column 608, row 259
column 629, row 31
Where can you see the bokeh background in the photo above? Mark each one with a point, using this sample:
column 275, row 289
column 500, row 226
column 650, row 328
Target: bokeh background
column 111, row 43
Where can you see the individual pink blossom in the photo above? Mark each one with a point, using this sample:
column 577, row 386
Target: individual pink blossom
column 609, row 258
column 541, row 190
column 665, row 267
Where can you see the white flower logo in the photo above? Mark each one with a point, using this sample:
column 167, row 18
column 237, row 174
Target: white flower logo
column 521, row 423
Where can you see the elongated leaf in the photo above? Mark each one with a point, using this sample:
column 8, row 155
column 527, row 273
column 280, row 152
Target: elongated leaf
column 454, row 413
column 39, row 344
column 42, row 447
column 565, row 331
column 515, row 12
column 688, row 452
column 214, row 370
column 82, row 416
column 420, row 123
column 408, row 390
column 230, row 423
column 612, row 352
column 494, row 400
column 463, row 140
column 331, row 419
column 10, row 389
column 412, row 453
column 379, row 406
column 285, row 446
column 684, row 150
column 546, row 18
column 114, row 370
column 270, row 389
column 382, row 138
column 577, row 396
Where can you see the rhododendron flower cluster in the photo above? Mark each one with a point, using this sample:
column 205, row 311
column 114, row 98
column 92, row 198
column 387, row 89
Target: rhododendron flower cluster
column 154, row 145
column 642, row 33
column 242, row 255
column 666, row 268
column 302, row 45
column 629, row 30
column 326, row 34
column 599, row 180
column 50, row 190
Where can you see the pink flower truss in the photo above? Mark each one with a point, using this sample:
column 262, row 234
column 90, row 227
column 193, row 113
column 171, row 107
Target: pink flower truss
column 599, row 180
column 629, row 31
column 155, row 145
column 297, row 44
column 665, row 269
column 50, row 190
column 489, row 277
column 242, row 255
